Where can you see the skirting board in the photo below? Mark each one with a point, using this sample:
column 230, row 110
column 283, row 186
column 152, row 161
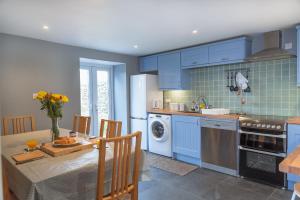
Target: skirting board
column 220, row 169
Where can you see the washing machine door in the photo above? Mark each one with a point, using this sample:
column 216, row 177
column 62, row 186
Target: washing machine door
column 159, row 131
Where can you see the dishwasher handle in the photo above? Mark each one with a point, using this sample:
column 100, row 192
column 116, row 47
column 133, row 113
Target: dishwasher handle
column 220, row 124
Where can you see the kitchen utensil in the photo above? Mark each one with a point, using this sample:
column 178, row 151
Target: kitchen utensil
column 236, row 88
column 241, row 81
column 231, row 79
column 228, row 80
column 248, row 89
column 27, row 157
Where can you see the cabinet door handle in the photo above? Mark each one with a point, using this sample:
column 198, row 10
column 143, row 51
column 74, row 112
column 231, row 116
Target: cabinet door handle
column 218, row 125
column 225, row 59
column 195, row 62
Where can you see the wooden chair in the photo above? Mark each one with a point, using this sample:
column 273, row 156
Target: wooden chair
column 110, row 128
column 18, row 124
column 296, row 191
column 123, row 181
column 82, row 124
column 6, row 192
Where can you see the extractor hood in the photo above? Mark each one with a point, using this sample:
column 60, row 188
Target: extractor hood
column 272, row 48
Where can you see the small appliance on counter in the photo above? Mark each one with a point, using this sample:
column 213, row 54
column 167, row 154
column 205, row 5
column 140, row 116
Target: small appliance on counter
column 174, row 106
column 157, row 104
column 181, row 107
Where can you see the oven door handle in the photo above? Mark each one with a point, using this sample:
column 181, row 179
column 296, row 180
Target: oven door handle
column 263, row 152
column 263, row 134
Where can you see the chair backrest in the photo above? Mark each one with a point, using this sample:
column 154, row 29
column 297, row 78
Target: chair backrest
column 18, row 124
column 110, row 128
column 82, row 124
column 124, row 181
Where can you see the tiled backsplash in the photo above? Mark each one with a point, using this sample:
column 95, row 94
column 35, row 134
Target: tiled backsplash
column 272, row 83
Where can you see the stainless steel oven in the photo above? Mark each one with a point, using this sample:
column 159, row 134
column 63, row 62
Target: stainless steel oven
column 262, row 147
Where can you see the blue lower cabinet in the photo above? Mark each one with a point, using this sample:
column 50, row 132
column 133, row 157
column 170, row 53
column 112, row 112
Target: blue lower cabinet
column 293, row 143
column 186, row 139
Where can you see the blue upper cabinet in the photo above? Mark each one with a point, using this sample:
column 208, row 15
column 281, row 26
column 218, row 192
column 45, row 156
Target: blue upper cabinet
column 229, row 51
column 170, row 75
column 194, row 57
column 293, row 143
column 298, row 55
column 186, row 132
column 148, row 63
column 169, row 64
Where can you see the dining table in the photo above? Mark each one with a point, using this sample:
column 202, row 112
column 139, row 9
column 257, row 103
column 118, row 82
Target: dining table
column 68, row 177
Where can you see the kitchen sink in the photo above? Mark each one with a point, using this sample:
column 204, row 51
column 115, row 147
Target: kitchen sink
column 216, row 111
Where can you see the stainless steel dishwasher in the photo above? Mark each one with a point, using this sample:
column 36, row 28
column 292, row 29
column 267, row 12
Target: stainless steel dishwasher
column 219, row 146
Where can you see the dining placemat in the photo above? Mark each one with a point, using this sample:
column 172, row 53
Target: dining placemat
column 28, row 156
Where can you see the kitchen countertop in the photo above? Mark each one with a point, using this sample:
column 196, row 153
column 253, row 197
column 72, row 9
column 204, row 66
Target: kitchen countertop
column 291, row 164
column 290, row 120
column 171, row 112
column 294, row 120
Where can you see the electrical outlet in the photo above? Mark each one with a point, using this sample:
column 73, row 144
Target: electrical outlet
column 288, row 45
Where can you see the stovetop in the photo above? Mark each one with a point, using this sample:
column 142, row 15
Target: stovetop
column 263, row 122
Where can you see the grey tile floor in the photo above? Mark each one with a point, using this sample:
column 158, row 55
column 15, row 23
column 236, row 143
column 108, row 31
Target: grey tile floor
column 203, row 184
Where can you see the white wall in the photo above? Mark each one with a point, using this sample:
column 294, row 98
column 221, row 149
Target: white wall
column 28, row 65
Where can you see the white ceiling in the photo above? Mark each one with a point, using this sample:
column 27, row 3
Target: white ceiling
column 154, row 25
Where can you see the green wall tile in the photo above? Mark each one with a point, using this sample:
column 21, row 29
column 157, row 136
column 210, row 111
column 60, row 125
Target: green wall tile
column 273, row 85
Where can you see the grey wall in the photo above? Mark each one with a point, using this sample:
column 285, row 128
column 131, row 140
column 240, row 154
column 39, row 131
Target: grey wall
column 28, row 65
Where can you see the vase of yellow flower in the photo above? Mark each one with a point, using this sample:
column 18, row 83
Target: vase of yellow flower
column 52, row 104
column 54, row 129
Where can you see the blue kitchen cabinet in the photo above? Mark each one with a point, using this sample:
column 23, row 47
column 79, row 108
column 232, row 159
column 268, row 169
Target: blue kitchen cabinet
column 293, row 142
column 194, row 57
column 229, row 51
column 298, row 55
column 186, row 139
column 170, row 74
column 148, row 64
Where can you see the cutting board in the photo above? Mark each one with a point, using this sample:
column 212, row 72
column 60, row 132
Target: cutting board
column 60, row 151
column 28, row 156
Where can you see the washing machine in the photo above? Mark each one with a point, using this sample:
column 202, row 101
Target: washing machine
column 160, row 134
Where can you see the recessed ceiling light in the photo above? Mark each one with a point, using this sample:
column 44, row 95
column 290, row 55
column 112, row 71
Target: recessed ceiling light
column 135, row 46
column 195, row 32
column 46, row 27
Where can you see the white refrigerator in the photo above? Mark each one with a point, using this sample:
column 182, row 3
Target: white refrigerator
column 143, row 90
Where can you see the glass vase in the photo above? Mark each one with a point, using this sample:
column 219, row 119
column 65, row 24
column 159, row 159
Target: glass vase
column 54, row 129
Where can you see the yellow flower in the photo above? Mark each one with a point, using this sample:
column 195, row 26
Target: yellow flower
column 65, row 99
column 56, row 96
column 53, row 101
column 41, row 95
